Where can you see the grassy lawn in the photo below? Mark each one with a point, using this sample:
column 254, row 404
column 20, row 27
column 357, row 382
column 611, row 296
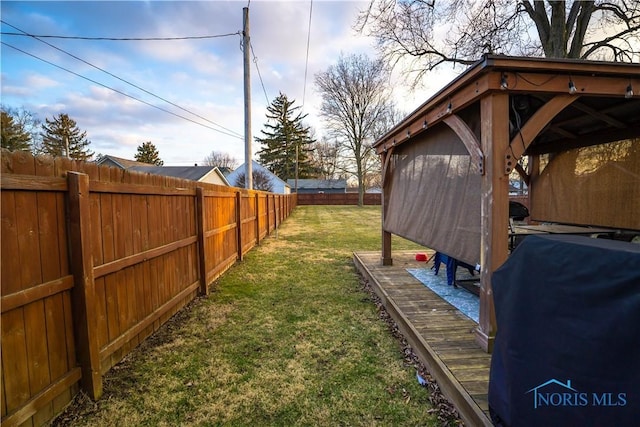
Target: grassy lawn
column 287, row 337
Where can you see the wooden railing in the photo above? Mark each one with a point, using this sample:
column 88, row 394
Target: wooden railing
column 95, row 259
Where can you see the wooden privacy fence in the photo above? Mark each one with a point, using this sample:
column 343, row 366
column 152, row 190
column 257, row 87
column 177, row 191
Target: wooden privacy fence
column 95, row 259
column 337, row 199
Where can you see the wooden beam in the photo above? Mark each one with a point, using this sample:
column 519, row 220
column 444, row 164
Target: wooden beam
column 522, row 173
column 239, row 224
column 593, row 138
column 532, row 128
column 202, row 240
column 560, row 131
column 386, row 159
column 386, row 236
column 122, row 263
column 494, row 112
column 599, row 115
column 469, row 140
column 257, row 201
column 585, row 84
column 83, row 293
column 125, row 188
column 32, row 183
column 35, row 293
column 45, row 396
column 434, row 112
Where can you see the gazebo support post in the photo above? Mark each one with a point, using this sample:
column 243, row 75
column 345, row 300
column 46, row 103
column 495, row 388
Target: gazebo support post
column 494, row 112
column 386, row 248
column 386, row 236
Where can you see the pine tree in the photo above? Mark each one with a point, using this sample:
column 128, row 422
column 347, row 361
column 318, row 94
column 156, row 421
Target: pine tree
column 284, row 133
column 62, row 137
column 148, row 153
column 14, row 136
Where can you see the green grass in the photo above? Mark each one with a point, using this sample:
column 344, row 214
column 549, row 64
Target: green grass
column 287, row 338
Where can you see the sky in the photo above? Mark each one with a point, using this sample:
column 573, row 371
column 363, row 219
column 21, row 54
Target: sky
column 201, row 78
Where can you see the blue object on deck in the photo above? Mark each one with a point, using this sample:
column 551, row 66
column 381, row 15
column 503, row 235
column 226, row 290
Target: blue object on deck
column 452, row 265
column 421, row 380
column 463, row 300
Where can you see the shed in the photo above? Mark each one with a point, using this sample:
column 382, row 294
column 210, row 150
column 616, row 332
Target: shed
column 446, row 166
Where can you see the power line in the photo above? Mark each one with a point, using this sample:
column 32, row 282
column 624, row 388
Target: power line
column 118, row 91
column 306, row 62
column 255, row 61
column 125, row 81
column 7, row 33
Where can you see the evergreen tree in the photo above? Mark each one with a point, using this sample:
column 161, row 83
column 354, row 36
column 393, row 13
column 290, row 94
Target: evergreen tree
column 285, row 133
column 14, row 136
column 62, row 137
column 148, row 153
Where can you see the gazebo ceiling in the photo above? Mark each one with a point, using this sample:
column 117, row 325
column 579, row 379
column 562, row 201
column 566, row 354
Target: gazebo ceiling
column 598, row 102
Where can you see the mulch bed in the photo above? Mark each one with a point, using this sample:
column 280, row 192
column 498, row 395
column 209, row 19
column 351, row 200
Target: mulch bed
column 445, row 411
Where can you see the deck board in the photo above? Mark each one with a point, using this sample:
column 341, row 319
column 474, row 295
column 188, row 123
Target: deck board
column 442, row 337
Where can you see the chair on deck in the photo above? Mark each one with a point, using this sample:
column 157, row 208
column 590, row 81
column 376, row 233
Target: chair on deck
column 452, row 265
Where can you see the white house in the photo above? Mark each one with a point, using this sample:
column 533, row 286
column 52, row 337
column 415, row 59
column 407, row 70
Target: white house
column 278, row 185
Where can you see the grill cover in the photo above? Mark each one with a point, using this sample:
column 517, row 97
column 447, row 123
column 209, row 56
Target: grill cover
column 567, row 347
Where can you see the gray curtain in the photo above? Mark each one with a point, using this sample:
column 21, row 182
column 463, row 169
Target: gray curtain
column 597, row 185
column 433, row 195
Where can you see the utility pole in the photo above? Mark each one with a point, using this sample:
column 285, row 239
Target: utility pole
column 66, row 146
column 297, row 145
column 246, row 48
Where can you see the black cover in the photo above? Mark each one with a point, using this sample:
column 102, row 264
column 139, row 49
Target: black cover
column 567, row 348
column 517, row 210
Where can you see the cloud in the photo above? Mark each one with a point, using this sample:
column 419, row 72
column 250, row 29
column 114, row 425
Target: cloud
column 202, row 76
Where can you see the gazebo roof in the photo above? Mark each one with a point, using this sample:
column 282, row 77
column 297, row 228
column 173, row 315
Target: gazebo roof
column 604, row 111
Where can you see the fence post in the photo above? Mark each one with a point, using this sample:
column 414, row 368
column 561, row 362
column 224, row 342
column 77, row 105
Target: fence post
column 202, row 255
column 239, row 222
column 83, row 294
column 268, row 216
column 257, row 219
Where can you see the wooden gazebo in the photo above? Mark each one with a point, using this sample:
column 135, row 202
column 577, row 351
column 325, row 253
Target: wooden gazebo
column 446, row 166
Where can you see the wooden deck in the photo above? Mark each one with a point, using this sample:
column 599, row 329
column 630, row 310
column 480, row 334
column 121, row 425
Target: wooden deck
column 440, row 335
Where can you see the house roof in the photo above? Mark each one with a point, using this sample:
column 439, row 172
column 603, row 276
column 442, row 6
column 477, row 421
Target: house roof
column 123, row 163
column 194, row 173
column 225, row 170
column 255, row 166
column 313, row 184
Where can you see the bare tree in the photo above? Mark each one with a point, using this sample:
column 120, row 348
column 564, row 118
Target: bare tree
column 325, row 158
column 427, row 33
column 355, row 98
column 261, row 180
column 221, row 160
